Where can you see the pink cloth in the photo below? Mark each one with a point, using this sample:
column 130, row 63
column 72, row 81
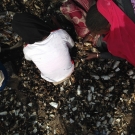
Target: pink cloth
column 76, row 15
column 121, row 37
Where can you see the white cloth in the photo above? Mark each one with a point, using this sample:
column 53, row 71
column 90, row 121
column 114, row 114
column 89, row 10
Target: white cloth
column 1, row 78
column 51, row 56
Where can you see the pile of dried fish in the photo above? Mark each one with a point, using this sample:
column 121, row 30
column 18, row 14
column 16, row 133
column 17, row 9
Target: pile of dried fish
column 7, row 36
column 98, row 99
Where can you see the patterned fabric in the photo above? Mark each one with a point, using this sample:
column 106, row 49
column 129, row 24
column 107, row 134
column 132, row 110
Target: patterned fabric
column 76, row 15
column 133, row 4
column 85, row 4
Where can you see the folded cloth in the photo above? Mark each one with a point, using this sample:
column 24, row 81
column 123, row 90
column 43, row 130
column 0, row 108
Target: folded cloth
column 76, row 15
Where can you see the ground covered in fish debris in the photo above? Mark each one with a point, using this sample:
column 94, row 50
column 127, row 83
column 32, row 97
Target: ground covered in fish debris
column 98, row 99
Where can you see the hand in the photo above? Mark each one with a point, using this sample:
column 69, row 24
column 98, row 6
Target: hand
column 90, row 56
column 88, row 38
column 91, row 38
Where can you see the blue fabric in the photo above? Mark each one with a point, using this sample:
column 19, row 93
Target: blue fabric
column 3, row 69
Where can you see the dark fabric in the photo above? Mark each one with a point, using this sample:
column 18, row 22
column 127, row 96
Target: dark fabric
column 107, row 55
column 3, row 69
column 126, row 7
column 30, row 27
column 104, row 54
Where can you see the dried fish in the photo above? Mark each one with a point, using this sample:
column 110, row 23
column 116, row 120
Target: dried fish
column 116, row 64
column 71, row 120
column 74, row 109
column 89, row 96
column 111, row 88
column 130, row 72
column 95, row 76
column 97, row 99
column 105, row 77
column 55, row 105
column 79, row 90
column 3, row 113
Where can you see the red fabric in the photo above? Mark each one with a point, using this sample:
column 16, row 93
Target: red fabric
column 121, row 37
column 77, row 16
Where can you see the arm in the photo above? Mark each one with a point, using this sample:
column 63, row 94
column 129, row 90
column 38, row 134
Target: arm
column 67, row 38
column 26, row 54
column 27, row 58
column 104, row 55
column 107, row 55
column 70, row 42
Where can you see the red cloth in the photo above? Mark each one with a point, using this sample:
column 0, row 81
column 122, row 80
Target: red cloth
column 121, row 37
column 76, row 15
